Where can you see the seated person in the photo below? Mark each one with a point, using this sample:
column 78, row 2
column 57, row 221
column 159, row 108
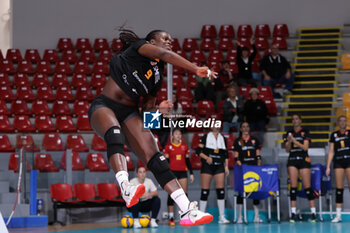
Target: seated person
column 148, row 202
column 232, row 109
column 244, row 62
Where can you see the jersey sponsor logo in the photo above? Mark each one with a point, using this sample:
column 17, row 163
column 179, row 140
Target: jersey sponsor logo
column 151, row 120
column 156, row 74
column 124, row 76
column 149, row 74
column 140, row 81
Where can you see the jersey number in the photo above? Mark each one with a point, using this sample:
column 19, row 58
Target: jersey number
column 149, row 74
column 342, row 144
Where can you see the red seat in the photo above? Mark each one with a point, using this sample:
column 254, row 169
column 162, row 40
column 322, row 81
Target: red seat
column 19, row 107
column 189, row 44
column 21, row 80
column 162, row 95
column 40, row 107
column 25, row 67
column 110, row 192
column 77, row 164
column 178, row 70
column 100, row 44
column 208, row 31
column 230, row 140
column 60, row 108
column 208, row 44
column 44, row 163
column 255, row 67
column 187, row 107
column 205, row 106
column 63, row 67
column 22, row 124
column 65, row 43
column 262, row 30
column 76, row 143
column 5, row 125
column 40, row 80
column 64, row 93
column 87, row 56
column 225, row 44
column 44, row 124
column 245, row 30
column 65, row 124
column 13, row 163
column 233, row 67
column 83, row 123
column 95, row 162
column 271, row 106
column 184, row 94
column 4, row 80
column 182, row 53
column 117, row 45
column 231, row 55
column 280, row 30
column 69, row 56
column 191, row 81
column 266, row 90
column 281, row 42
column 82, row 44
column 196, row 139
column 80, row 107
column 52, row 142
column 105, row 55
column 32, row 55
column 141, row 164
column 45, row 93
column 51, row 56
column 6, row 66
column 262, row 43
column 197, row 56
column 219, row 107
column 98, row 91
column 175, row 45
column 98, row 144
column 100, row 67
column 62, row 193
column 3, row 108
column 178, row 81
column 231, row 160
column 14, row 55
column 26, row 142
column 226, row 31
column 25, row 93
column 5, row 144
column 82, row 67
column 60, row 80
column 44, row 67
column 245, row 42
column 196, row 162
column 86, row 192
column 129, row 162
column 214, row 65
column 98, row 80
column 84, row 93
column 215, row 55
column 1, row 56
column 79, row 80
column 244, row 91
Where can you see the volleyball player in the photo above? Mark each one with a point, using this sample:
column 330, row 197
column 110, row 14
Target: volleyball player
column 214, row 156
column 247, row 151
column 297, row 143
column 177, row 152
column 339, row 153
column 114, row 115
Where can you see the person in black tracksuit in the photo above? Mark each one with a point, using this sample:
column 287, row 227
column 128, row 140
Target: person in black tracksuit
column 244, row 63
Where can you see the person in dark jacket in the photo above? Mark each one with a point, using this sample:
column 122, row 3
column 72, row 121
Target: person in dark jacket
column 232, row 109
column 256, row 113
column 244, row 62
column 276, row 70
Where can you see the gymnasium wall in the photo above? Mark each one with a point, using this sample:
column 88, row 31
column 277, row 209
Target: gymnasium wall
column 38, row 23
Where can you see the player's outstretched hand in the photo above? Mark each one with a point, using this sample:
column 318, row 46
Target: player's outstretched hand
column 205, row 72
column 165, row 106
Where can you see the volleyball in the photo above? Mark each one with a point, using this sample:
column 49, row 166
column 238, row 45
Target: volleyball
column 252, row 182
column 127, row 221
column 144, row 220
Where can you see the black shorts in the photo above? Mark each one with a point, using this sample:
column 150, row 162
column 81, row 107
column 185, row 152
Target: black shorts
column 341, row 163
column 122, row 112
column 299, row 163
column 180, row 174
column 212, row 169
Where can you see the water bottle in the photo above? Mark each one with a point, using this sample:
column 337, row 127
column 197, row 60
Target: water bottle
column 39, row 205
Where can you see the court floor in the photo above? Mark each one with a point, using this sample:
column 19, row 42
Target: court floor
column 284, row 227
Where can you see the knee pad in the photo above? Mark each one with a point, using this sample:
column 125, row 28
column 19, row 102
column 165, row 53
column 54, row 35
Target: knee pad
column 170, row 201
column 256, row 202
column 293, row 194
column 339, row 196
column 204, row 194
column 239, row 199
column 310, row 194
column 220, row 194
column 160, row 169
column 115, row 141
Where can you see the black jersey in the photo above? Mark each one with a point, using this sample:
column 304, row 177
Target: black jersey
column 300, row 136
column 247, row 150
column 341, row 144
column 218, row 155
column 135, row 74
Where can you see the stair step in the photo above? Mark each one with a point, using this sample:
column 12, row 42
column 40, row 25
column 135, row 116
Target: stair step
column 314, row 86
column 310, row 103
column 308, row 109
column 313, row 37
column 316, row 45
column 306, row 60
column 316, row 64
column 320, row 29
column 319, row 47
column 311, row 132
column 318, row 89
column 313, row 66
column 316, row 82
column 316, row 75
column 312, row 96
column 326, row 34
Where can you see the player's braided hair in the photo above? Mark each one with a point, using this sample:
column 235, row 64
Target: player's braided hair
column 128, row 37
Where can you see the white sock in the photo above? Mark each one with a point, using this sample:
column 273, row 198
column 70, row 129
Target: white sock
column 180, row 198
column 203, row 205
column 221, row 205
column 256, row 210
column 171, row 215
column 121, row 177
column 239, row 209
column 294, row 210
column 338, row 211
column 313, row 210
